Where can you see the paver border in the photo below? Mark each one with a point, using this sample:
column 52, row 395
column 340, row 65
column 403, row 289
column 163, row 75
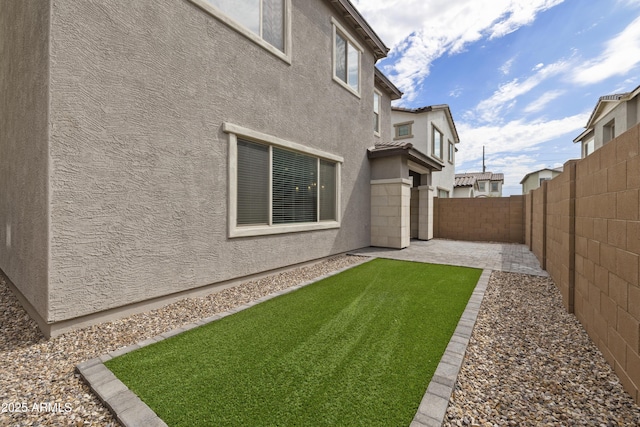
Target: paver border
column 131, row 411
column 433, row 407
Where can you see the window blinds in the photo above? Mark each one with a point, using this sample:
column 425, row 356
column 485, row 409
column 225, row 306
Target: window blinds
column 253, row 183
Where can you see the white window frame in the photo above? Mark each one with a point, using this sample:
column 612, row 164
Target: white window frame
column 435, row 129
column 484, row 186
column 452, row 150
column 376, row 132
column 337, row 27
column 246, row 32
column 497, row 190
column 235, row 132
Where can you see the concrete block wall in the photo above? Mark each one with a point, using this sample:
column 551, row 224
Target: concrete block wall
column 390, row 216
column 499, row 219
column 585, row 230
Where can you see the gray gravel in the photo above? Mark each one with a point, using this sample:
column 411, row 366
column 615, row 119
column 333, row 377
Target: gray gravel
column 530, row 363
column 38, row 385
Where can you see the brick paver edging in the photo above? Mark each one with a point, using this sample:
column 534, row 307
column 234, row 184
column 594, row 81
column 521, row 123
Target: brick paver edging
column 131, row 411
column 435, row 401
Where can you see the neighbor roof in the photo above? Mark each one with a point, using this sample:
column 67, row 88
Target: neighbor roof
column 559, row 170
column 468, row 179
column 403, row 148
column 603, row 101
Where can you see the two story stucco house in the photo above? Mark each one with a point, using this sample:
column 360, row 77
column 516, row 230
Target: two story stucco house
column 431, row 131
column 533, row 180
column 152, row 150
column 612, row 116
column 479, row 184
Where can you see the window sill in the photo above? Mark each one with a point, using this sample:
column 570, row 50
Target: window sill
column 402, row 137
column 233, row 24
column 265, row 230
column 347, row 87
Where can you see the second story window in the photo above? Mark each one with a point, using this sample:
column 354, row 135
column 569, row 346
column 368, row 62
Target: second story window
column 403, row 130
column 264, row 18
column 376, row 112
column 481, row 186
column 495, row 186
column 436, row 148
column 346, row 59
column 452, row 150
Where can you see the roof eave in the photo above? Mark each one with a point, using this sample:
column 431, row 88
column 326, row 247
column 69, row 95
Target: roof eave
column 364, row 30
column 391, row 89
column 407, row 151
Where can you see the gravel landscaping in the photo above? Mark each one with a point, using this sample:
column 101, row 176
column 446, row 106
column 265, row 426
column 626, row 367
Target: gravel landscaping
column 528, row 362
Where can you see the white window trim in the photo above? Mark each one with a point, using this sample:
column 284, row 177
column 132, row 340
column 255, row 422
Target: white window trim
column 236, row 132
column 338, row 27
column 451, row 149
column 435, row 129
column 232, row 23
column 377, row 132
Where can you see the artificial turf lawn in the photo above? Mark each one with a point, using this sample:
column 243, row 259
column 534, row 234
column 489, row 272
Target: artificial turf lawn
column 357, row 348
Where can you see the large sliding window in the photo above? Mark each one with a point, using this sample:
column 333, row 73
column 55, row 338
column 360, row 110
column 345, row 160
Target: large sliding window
column 280, row 186
column 264, row 21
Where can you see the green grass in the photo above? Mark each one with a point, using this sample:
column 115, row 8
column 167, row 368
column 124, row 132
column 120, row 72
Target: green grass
column 357, row 348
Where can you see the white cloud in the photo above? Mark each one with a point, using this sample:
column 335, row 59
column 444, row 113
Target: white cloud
column 517, row 148
column 514, row 136
column 621, row 55
column 490, row 109
column 542, row 101
column 506, row 67
column 431, row 29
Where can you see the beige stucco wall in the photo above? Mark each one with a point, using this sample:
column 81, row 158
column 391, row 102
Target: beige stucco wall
column 139, row 93
column 24, row 58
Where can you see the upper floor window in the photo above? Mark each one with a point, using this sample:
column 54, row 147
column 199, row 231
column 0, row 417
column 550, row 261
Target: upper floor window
column 452, row 150
column 482, row 186
column 436, row 146
column 588, row 147
column 495, row 186
column 376, row 112
column 263, row 21
column 403, row 130
column 609, row 131
column 346, row 59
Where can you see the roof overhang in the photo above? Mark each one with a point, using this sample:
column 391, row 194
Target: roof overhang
column 383, row 82
column 364, row 30
column 405, row 150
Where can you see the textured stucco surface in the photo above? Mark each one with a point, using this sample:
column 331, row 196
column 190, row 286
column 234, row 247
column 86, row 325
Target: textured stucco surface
column 139, row 93
column 422, row 141
column 24, row 56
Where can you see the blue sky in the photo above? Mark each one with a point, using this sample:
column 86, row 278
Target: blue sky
column 521, row 76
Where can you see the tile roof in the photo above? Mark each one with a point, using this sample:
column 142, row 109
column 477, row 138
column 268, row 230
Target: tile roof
column 468, row 179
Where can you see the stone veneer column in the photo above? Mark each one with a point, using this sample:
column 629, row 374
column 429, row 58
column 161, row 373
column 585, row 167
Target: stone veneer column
column 390, row 217
column 425, row 212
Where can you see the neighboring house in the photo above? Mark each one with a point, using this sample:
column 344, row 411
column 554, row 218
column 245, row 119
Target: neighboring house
column 486, row 184
column 465, row 186
column 431, row 130
column 150, row 151
column 612, row 116
column 533, row 180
